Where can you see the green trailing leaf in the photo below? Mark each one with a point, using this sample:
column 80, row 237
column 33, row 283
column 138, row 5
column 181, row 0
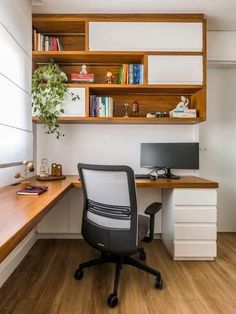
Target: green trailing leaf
column 48, row 94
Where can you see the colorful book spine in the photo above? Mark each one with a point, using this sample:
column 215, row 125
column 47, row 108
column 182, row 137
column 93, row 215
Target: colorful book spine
column 130, row 74
column 100, row 106
column 43, row 42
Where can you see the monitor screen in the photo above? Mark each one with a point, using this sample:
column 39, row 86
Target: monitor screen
column 170, row 155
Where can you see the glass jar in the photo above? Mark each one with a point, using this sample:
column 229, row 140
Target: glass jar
column 44, row 170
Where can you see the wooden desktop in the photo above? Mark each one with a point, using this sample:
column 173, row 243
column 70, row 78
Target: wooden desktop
column 20, row 214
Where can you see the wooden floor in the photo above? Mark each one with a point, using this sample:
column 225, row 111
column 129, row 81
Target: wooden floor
column 44, row 283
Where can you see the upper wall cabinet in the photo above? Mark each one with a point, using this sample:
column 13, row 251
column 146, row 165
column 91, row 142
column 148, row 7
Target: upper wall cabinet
column 175, row 70
column 145, row 36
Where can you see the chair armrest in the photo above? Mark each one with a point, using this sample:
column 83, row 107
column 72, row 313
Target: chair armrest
column 153, row 208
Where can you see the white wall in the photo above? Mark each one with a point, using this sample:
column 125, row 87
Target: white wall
column 109, row 144
column 16, row 137
column 218, row 136
column 221, row 46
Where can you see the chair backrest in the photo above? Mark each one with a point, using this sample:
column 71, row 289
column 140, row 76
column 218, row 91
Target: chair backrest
column 110, row 207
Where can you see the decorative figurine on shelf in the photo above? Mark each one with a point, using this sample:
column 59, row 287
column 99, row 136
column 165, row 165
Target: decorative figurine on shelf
column 56, row 170
column 109, row 78
column 84, row 69
column 182, row 110
column 126, row 105
column 135, row 108
column 183, row 104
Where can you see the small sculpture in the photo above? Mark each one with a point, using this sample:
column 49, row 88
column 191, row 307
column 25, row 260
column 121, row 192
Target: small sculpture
column 126, row 105
column 28, row 167
column 109, row 78
column 84, row 69
column 183, row 104
column 135, row 108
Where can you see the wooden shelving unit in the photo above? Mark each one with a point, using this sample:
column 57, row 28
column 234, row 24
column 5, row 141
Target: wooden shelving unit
column 73, row 33
column 123, row 120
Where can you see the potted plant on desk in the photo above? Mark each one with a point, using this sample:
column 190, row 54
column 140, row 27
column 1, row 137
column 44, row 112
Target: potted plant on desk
column 48, row 93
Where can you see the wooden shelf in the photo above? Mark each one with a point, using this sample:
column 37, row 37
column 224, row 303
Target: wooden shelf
column 122, row 120
column 87, row 57
column 140, row 89
column 72, row 31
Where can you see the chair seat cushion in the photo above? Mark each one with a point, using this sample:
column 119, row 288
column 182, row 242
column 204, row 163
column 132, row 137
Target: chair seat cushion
column 143, row 227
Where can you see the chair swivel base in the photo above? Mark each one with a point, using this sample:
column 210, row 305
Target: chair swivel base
column 112, row 299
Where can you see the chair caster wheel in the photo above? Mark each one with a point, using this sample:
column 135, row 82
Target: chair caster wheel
column 142, row 255
column 112, row 300
column 79, row 274
column 158, row 283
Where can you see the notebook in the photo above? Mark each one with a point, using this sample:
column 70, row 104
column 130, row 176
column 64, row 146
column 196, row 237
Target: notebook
column 33, row 190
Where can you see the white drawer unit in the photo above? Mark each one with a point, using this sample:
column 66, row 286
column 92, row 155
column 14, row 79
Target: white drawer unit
column 74, row 107
column 195, row 231
column 189, row 223
column 195, row 197
column 145, row 36
column 194, row 249
column 175, row 69
column 195, row 214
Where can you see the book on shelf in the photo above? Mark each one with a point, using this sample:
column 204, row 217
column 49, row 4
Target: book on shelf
column 187, row 113
column 42, row 42
column 33, row 190
column 101, row 106
column 82, row 78
column 130, row 74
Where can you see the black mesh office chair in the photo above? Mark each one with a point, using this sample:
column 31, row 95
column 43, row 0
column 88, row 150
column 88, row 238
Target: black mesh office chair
column 110, row 221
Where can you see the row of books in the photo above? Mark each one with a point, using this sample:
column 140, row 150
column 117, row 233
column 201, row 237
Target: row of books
column 131, row 74
column 43, row 42
column 101, row 106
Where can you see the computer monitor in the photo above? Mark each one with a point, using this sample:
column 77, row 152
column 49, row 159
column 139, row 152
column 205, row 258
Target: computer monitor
column 170, row 155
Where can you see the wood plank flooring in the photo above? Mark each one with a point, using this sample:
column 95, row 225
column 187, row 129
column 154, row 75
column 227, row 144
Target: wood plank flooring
column 44, row 284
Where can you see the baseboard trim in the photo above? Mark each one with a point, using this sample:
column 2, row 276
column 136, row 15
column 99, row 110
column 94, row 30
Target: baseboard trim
column 10, row 263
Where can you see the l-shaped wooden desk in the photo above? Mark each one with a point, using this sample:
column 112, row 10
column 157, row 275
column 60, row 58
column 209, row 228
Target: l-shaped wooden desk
column 188, row 217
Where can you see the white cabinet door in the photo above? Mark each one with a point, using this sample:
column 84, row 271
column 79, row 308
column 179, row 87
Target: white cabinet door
column 74, row 107
column 175, row 70
column 56, row 221
column 147, row 36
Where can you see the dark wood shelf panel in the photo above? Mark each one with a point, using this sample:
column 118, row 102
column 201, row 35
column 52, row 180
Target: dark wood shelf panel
column 141, row 89
column 87, row 57
column 117, row 57
column 122, row 120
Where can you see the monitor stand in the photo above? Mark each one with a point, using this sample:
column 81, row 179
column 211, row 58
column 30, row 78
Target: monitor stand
column 169, row 175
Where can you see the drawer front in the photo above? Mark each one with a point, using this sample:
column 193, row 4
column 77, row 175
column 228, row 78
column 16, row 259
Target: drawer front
column 195, row 214
column 75, row 107
column 145, row 36
column 195, row 232
column 195, row 249
column 175, row 70
column 195, row 197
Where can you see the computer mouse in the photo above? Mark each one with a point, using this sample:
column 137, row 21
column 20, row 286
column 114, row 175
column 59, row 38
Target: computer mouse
column 152, row 177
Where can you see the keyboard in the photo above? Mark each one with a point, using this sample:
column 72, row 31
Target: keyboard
column 142, row 176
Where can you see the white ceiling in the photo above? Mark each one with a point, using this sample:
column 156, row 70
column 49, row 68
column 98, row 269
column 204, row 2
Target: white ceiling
column 221, row 14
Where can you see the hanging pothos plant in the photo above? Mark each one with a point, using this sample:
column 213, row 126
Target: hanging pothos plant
column 48, row 93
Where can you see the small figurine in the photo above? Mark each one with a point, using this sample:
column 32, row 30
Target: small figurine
column 126, row 105
column 109, row 78
column 84, row 69
column 183, row 104
column 135, row 108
